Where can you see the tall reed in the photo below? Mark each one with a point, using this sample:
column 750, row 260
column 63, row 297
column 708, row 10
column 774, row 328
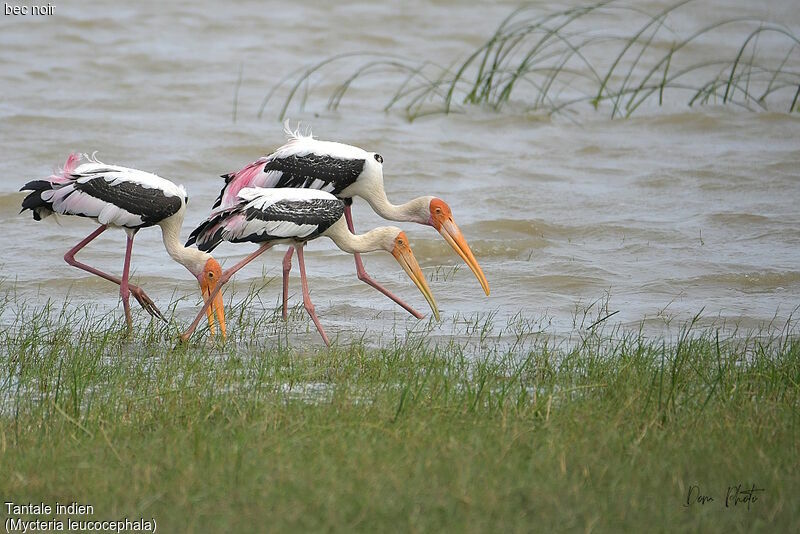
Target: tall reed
column 575, row 59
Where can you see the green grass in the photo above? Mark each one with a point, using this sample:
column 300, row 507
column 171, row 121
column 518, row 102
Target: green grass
column 554, row 62
column 511, row 432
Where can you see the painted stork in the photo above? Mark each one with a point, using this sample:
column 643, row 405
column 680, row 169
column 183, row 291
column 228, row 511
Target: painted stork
column 296, row 216
column 346, row 171
column 130, row 199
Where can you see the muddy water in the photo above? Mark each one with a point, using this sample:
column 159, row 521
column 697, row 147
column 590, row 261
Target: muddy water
column 657, row 217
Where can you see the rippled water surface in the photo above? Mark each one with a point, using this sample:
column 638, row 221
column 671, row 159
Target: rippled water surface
column 673, row 211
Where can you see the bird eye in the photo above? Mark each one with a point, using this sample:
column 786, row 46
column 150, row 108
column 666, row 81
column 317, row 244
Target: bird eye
column 439, row 211
column 211, row 275
column 378, row 158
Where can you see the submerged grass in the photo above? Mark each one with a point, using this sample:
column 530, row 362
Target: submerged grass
column 607, row 432
column 555, row 62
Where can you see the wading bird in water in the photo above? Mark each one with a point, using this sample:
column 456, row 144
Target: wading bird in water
column 346, row 171
column 295, row 216
column 130, row 199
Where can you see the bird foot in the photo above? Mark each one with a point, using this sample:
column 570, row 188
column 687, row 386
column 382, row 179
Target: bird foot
column 146, row 303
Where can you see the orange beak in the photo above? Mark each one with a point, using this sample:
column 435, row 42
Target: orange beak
column 451, row 233
column 208, row 283
column 402, row 253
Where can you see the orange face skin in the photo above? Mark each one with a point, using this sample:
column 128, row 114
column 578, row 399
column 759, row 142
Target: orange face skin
column 442, row 219
column 208, row 279
column 440, row 212
column 405, row 257
column 401, row 242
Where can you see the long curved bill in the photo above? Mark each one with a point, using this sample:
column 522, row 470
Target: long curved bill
column 453, row 235
column 217, row 308
column 408, row 262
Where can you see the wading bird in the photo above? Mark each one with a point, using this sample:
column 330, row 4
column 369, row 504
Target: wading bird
column 130, row 199
column 295, row 216
column 346, row 171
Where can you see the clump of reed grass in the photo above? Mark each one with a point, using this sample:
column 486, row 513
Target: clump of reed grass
column 554, row 62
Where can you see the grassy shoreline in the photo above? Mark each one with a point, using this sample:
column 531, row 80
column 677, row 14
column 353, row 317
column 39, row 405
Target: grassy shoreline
column 605, row 434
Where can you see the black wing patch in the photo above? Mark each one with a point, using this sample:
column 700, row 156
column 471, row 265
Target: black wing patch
column 320, row 212
column 208, row 235
column 150, row 203
column 301, row 171
column 34, row 202
column 228, row 177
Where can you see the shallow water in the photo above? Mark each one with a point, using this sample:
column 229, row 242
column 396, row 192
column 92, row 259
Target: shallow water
column 671, row 212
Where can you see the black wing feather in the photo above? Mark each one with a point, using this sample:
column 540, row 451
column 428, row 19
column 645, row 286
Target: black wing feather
column 301, row 171
column 150, row 203
column 319, row 212
column 34, row 202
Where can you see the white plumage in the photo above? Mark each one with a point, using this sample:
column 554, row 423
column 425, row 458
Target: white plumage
column 117, row 196
column 300, row 144
column 295, row 216
column 274, row 215
column 346, row 171
column 262, row 198
column 68, row 198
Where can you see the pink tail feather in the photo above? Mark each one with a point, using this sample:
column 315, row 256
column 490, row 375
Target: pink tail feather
column 243, row 178
column 63, row 175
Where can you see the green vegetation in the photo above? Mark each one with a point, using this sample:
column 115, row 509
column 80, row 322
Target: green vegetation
column 609, row 55
column 510, row 432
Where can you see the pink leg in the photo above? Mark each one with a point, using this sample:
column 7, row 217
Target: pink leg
column 364, row 277
column 287, row 266
column 306, row 297
column 69, row 257
column 124, row 289
column 221, row 282
column 137, row 292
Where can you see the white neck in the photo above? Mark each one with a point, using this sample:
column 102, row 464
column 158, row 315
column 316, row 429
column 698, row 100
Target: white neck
column 415, row 210
column 377, row 239
column 191, row 258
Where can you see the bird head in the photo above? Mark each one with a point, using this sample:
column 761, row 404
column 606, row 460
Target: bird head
column 401, row 251
column 208, row 279
column 441, row 218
